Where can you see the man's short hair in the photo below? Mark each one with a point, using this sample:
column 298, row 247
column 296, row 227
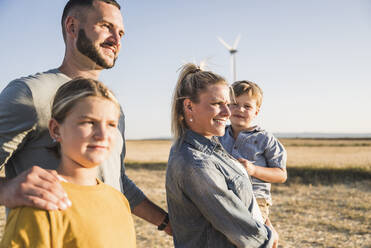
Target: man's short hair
column 71, row 4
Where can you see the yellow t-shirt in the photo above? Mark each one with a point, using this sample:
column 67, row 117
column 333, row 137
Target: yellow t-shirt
column 99, row 217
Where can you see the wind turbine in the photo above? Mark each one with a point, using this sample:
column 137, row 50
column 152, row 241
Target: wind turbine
column 232, row 50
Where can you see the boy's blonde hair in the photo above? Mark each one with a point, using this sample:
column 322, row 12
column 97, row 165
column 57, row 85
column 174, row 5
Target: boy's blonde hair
column 249, row 88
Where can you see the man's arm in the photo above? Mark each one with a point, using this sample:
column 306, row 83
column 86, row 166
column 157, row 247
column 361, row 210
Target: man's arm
column 18, row 118
column 152, row 213
column 140, row 205
column 35, row 187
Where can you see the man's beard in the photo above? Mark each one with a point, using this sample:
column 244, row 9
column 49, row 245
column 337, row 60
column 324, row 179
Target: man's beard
column 85, row 46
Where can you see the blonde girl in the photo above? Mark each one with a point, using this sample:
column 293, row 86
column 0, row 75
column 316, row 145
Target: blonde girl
column 84, row 119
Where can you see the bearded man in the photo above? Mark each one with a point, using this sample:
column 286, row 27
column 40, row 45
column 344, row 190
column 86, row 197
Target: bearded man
column 92, row 32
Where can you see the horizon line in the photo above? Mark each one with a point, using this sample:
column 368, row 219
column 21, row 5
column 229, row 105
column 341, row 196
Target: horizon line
column 303, row 135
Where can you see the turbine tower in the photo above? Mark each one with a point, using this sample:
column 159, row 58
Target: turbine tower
column 232, row 50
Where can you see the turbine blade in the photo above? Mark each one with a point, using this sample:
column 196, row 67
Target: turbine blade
column 224, row 43
column 235, row 44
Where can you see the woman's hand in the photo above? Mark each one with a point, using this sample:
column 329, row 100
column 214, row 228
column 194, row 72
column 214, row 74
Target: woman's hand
column 274, row 233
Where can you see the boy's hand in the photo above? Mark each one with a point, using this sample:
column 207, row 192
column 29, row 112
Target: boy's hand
column 250, row 168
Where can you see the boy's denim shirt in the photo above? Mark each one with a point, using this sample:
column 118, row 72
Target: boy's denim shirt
column 210, row 198
column 260, row 148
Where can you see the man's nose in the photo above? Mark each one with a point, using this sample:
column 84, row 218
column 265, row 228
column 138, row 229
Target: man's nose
column 116, row 38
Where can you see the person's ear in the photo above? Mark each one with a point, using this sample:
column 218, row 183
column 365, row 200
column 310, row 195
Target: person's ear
column 257, row 111
column 188, row 110
column 71, row 26
column 54, row 130
column 187, row 105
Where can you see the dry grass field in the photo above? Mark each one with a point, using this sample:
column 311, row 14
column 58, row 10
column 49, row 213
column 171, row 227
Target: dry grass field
column 326, row 201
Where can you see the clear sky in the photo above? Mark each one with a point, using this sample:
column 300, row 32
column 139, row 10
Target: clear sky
column 311, row 58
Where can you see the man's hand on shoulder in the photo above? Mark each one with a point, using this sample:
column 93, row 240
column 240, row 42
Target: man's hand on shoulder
column 35, row 187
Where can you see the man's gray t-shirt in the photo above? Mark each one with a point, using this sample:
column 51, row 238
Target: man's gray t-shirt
column 25, row 109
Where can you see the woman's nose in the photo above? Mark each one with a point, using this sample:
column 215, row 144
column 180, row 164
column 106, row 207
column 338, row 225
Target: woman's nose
column 226, row 111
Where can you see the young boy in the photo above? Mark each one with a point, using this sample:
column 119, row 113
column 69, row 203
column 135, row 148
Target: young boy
column 259, row 151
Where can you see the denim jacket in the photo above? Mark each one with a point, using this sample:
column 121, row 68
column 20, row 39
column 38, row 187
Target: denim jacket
column 210, row 199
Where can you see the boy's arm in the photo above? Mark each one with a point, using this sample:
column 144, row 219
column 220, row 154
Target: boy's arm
column 266, row 174
column 275, row 156
column 140, row 205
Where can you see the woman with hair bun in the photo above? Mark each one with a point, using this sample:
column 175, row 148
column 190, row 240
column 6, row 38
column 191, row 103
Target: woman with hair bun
column 209, row 194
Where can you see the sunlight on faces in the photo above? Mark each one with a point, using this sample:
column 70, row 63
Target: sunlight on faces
column 243, row 111
column 99, row 37
column 211, row 113
column 88, row 132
